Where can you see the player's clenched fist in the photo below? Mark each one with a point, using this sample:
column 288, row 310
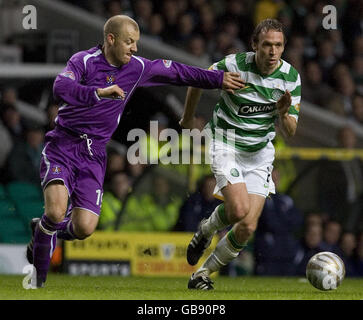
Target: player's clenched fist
column 232, row 81
column 113, row 92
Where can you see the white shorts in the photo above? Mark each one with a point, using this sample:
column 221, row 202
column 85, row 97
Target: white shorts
column 234, row 166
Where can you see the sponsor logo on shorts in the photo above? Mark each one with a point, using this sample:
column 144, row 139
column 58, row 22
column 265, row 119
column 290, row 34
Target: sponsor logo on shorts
column 234, row 172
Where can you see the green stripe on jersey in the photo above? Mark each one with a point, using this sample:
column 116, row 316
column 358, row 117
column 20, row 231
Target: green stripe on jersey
column 236, row 144
column 221, row 65
column 244, row 133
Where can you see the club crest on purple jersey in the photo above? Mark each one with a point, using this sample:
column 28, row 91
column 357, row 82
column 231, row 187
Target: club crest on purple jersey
column 56, row 170
column 110, row 79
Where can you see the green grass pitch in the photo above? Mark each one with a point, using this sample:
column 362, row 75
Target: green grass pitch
column 61, row 287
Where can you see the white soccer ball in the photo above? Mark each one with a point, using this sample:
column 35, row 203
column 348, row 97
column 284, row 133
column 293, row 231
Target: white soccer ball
column 325, row 271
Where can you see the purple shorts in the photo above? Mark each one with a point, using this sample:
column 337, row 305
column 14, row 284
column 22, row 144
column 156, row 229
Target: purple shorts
column 77, row 161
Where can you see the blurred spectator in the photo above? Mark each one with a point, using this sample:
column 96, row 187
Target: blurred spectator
column 315, row 89
column 207, row 23
column 198, row 206
column 311, row 27
column 116, row 162
column 294, row 58
column 351, row 22
column 224, row 41
column 135, row 171
column 52, row 112
column 311, row 244
column 267, row 9
column 341, row 103
column 326, row 57
column 335, row 35
column 197, row 47
column 285, row 168
column 297, row 43
column 231, row 28
column 113, row 200
column 347, row 245
column 301, row 10
column 340, row 183
column 357, row 46
column 357, row 104
column 113, row 8
column 185, row 30
column 143, row 12
column 275, row 241
column 24, row 159
column 6, row 146
column 313, row 219
column 239, row 11
column 156, row 27
column 357, row 72
column 13, row 122
column 156, row 210
column 331, row 236
column 170, row 12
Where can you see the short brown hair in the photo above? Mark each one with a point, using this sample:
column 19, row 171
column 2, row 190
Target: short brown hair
column 266, row 25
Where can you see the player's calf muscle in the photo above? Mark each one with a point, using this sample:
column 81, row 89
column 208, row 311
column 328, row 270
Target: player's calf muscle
column 55, row 202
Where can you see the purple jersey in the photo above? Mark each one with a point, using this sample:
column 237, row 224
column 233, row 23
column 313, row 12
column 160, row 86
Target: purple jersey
column 83, row 112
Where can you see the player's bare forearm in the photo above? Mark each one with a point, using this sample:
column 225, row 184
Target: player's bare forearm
column 113, row 92
column 288, row 124
column 190, row 105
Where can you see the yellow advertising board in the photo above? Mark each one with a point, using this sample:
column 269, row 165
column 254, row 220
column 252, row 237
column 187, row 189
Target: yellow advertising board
column 144, row 253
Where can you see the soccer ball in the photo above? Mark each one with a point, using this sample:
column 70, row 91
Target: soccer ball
column 325, row 271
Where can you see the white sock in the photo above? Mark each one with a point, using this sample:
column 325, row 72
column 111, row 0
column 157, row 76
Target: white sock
column 223, row 254
column 216, row 222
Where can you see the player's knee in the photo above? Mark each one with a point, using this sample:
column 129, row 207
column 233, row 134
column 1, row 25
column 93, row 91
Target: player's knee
column 248, row 229
column 56, row 214
column 239, row 211
column 83, row 231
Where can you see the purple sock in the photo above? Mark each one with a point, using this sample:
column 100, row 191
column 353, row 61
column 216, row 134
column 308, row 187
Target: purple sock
column 66, row 232
column 45, row 240
column 44, row 245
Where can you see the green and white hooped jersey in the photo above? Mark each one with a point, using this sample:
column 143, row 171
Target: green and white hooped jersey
column 251, row 111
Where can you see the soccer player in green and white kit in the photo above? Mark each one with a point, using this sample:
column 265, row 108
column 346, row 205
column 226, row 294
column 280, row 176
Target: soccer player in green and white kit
column 242, row 159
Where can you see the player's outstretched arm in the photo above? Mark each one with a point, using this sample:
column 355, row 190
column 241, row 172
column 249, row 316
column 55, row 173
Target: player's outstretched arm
column 289, row 123
column 191, row 102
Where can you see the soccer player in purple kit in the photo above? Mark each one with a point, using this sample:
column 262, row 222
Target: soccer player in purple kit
column 92, row 92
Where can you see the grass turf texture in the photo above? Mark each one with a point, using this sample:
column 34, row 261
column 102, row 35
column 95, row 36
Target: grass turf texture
column 60, row 287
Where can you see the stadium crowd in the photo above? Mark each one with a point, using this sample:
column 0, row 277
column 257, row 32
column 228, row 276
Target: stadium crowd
column 331, row 65
column 330, row 61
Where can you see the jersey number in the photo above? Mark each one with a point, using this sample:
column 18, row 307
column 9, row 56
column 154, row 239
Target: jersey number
column 99, row 197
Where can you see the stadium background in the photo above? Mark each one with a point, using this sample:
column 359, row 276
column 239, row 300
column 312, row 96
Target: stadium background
column 319, row 206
